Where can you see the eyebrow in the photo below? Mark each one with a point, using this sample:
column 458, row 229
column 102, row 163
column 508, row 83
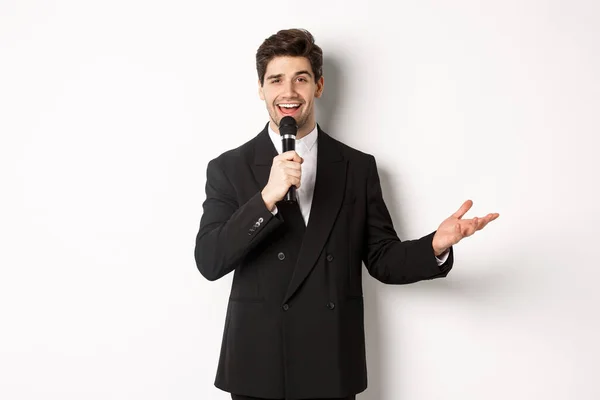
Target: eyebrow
column 296, row 74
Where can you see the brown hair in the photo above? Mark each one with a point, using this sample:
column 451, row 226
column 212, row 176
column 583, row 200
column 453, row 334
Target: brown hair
column 289, row 42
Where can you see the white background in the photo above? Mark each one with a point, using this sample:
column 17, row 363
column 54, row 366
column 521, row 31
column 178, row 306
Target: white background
column 110, row 112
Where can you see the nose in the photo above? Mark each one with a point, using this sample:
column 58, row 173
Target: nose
column 289, row 90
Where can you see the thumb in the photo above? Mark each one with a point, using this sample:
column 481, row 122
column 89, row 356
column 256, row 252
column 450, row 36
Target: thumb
column 297, row 158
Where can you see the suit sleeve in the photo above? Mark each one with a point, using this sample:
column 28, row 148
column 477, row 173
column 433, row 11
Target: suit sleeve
column 387, row 258
column 228, row 231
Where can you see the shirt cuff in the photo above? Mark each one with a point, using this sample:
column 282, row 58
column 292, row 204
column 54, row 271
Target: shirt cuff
column 443, row 257
column 275, row 211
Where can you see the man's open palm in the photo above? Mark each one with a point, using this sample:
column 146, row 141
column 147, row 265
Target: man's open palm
column 453, row 229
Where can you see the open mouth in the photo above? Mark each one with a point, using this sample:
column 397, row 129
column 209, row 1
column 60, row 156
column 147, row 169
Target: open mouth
column 288, row 108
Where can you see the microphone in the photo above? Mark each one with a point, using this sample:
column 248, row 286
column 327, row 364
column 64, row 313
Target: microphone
column 287, row 130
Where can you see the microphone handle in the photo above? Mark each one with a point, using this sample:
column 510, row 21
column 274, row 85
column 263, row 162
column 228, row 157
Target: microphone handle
column 290, row 196
column 288, row 144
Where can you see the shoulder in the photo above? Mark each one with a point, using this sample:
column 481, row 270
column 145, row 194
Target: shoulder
column 241, row 154
column 351, row 154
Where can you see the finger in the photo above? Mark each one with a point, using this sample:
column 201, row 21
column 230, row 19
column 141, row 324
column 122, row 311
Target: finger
column 293, row 172
column 480, row 222
column 291, row 155
column 489, row 218
column 290, row 165
column 482, row 225
column 468, row 226
column 472, row 228
column 492, row 216
column 287, row 155
column 293, row 181
column 458, row 233
column 463, row 209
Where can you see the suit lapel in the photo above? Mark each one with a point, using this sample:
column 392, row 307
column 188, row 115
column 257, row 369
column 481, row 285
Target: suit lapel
column 327, row 199
column 264, row 152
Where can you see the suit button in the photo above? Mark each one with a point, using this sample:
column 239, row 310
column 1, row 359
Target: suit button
column 331, row 305
column 286, row 307
column 281, row 256
column 329, row 257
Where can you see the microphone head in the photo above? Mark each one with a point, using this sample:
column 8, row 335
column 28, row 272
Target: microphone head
column 287, row 126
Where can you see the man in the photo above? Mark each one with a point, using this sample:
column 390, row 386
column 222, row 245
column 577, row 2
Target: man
column 295, row 325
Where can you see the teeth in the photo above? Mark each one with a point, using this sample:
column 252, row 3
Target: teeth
column 289, row 105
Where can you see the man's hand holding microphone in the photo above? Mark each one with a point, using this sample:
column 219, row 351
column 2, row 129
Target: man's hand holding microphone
column 286, row 171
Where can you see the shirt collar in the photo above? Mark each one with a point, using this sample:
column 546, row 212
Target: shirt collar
column 308, row 141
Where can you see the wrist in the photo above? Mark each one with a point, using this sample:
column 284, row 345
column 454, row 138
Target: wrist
column 439, row 251
column 269, row 202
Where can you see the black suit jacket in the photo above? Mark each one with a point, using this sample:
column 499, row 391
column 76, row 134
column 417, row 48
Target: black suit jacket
column 300, row 334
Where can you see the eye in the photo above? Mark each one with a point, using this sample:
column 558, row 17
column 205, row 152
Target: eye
column 302, row 79
column 275, row 81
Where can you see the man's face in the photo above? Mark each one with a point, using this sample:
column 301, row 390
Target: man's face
column 290, row 89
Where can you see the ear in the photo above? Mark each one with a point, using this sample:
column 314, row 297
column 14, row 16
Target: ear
column 320, row 87
column 260, row 91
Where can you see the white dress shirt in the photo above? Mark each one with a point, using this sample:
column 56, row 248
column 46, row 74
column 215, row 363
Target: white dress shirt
column 307, row 148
